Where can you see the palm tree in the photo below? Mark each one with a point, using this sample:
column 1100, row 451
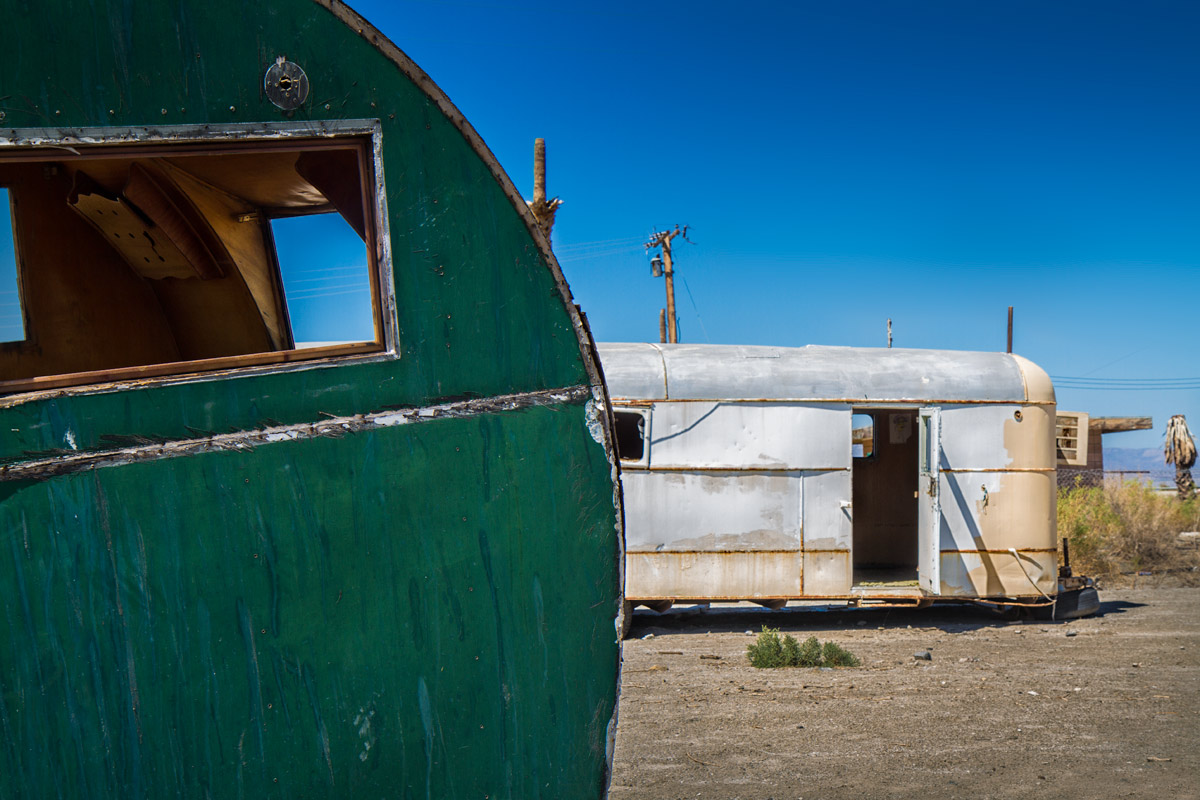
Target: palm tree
column 1180, row 450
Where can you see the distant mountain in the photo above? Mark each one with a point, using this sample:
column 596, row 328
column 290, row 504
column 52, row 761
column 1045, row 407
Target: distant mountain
column 1135, row 459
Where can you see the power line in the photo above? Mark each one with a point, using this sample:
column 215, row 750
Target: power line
column 699, row 318
column 572, row 257
column 1127, row 388
column 1124, row 380
column 630, row 240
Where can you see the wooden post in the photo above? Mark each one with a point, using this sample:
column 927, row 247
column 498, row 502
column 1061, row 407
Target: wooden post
column 662, row 325
column 1009, row 329
column 672, row 326
column 663, row 240
column 889, row 331
column 539, row 170
column 543, row 209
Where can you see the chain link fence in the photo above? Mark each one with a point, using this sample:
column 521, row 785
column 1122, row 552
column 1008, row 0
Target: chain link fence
column 1071, row 477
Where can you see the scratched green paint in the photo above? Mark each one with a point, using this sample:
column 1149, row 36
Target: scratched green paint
column 206, row 623
column 417, row 611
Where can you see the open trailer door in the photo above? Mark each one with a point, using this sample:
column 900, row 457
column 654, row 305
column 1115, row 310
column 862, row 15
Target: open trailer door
column 929, row 503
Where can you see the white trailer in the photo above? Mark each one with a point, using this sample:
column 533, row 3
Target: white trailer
column 867, row 475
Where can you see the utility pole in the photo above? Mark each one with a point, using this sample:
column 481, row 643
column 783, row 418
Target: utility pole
column 543, row 209
column 1009, row 329
column 662, row 241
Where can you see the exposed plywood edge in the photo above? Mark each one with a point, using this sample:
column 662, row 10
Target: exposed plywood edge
column 418, row 76
column 149, row 450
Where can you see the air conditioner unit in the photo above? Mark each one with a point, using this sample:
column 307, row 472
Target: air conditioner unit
column 1071, row 438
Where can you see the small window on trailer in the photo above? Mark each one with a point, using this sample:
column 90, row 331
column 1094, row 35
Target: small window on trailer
column 170, row 257
column 632, row 435
column 862, row 435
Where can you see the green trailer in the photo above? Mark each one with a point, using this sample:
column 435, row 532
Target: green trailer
column 306, row 485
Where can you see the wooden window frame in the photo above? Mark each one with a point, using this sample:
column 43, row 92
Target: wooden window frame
column 81, row 144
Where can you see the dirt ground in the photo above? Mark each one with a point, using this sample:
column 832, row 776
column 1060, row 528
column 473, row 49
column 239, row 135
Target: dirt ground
column 1104, row 707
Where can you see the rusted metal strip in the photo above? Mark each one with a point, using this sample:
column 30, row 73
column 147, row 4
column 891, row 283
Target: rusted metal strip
column 653, row 468
column 901, row 404
column 41, row 468
column 998, row 469
column 665, row 552
column 1004, row 552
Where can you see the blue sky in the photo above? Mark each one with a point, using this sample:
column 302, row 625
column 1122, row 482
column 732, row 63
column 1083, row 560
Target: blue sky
column 843, row 163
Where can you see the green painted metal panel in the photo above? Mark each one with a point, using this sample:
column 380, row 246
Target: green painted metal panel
column 422, row 610
column 254, row 621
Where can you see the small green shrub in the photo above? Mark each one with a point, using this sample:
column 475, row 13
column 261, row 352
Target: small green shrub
column 834, row 655
column 770, row 651
column 790, row 651
column 810, row 653
column 767, row 650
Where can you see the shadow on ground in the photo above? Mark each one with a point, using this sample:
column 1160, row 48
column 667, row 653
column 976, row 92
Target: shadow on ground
column 738, row 618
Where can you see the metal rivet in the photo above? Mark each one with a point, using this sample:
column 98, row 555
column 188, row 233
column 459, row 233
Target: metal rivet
column 112, row 113
column 164, row 112
column 57, row 113
column 232, row 109
column 3, row 115
column 1017, row 415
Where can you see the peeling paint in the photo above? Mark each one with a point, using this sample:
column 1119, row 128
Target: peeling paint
column 337, row 426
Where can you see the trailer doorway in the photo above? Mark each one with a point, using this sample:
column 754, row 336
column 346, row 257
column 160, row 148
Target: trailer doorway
column 885, row 450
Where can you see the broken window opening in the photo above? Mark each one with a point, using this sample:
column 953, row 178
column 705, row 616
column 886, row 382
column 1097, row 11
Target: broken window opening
column 12, row 318
column 631, row 435
column 162, row 258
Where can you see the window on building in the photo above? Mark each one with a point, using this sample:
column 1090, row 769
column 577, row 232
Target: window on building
column 631, row 435
column 862, row 435
column 174, row 258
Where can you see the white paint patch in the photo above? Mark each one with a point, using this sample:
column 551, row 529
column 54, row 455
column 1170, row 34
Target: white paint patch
column 595, row 421
column 362, row 722
column 70, row 438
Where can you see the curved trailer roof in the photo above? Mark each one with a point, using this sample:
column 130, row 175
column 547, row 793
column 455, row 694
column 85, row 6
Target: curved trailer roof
column 641, row 371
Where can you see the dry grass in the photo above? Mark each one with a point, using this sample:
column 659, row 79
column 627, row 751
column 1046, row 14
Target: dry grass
column 1124, row 527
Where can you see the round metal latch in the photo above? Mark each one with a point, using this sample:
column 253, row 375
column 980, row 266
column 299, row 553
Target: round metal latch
column 286, row 84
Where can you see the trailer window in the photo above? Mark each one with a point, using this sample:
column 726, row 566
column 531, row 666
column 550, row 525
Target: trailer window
column 862, row 435
column 12, row 320
column 167, row 258
column 631, row 435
